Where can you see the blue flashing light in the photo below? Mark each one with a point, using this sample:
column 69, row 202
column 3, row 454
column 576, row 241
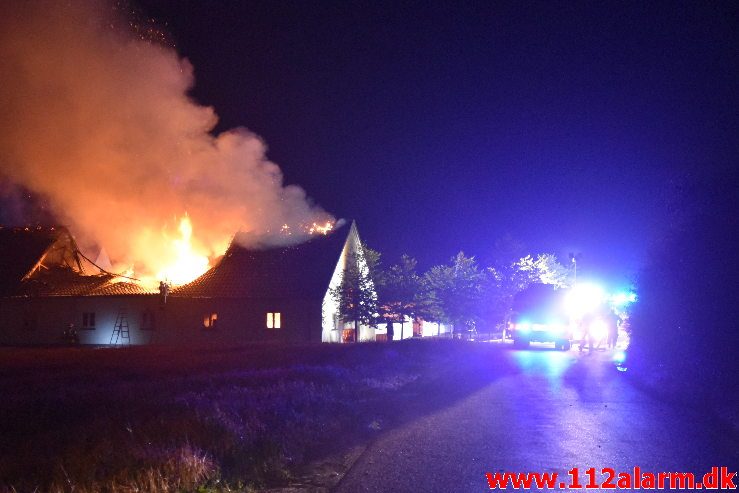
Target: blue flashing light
column 619, row 357
column 623, row 299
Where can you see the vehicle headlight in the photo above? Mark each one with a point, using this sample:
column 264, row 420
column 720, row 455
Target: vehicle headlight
column 523, row 327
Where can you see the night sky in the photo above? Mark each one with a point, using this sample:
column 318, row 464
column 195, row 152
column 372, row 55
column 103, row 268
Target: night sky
column 442, row 126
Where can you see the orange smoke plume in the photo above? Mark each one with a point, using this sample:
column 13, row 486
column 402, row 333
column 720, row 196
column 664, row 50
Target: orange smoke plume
column 99, row 121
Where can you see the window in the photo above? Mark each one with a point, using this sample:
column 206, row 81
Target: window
column 88, row 320
column 209, row 321
column 148, row 321
column 274, row 320
column 347, row 335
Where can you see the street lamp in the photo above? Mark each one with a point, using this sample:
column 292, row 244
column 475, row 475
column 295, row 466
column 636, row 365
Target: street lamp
column 574, row 258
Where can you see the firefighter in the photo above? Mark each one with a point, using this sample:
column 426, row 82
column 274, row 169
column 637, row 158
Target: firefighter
column 613, row 320
column 587, row 338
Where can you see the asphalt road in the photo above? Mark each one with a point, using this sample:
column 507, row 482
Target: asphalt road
column 553, row 412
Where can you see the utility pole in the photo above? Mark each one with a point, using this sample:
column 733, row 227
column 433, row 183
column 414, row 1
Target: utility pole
column 574, row 259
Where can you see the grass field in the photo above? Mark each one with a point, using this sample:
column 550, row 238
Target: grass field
column 161, row 419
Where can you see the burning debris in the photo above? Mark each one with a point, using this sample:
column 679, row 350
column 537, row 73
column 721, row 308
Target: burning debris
column 97, row 119
column 322, row 229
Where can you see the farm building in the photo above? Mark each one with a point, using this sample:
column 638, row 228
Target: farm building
column 49, row 289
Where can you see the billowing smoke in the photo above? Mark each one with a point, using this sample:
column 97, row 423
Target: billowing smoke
column 98, row 120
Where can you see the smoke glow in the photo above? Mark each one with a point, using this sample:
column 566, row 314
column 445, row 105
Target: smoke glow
column 99, row 121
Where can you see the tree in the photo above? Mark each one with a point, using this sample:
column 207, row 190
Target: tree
column 373, row 261
column 544, row 269
column 355, row 295
column 428, row 306
column 457, row 289
column 402, row 291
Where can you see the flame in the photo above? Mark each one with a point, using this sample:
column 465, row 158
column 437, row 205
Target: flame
column 179, row 259
column 186, row 263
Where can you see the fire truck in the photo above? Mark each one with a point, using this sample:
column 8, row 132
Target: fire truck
column 540, row 315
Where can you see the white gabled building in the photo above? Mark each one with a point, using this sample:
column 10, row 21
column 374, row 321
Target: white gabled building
column 334, row 330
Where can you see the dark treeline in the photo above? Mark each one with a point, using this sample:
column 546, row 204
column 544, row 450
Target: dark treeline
column 686, row 324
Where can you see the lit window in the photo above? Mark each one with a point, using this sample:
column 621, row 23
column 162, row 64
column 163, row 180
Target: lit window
column 209, row 321
column 273, row 320
column 88, row 320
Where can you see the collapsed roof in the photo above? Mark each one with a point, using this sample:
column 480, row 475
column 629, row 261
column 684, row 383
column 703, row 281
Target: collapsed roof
column 45, row 261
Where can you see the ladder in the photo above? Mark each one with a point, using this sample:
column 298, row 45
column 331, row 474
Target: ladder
column 120, row 329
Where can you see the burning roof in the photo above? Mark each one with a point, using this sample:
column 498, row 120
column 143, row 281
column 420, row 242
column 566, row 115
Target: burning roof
column 47, row 262
column 300, row 271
